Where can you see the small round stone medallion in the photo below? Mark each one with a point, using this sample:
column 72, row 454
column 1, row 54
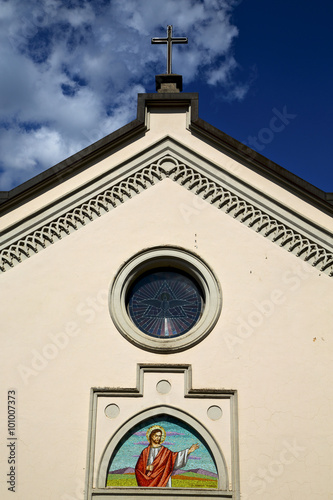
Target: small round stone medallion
column 112, row 411
column 214, row 412
column 163, row 387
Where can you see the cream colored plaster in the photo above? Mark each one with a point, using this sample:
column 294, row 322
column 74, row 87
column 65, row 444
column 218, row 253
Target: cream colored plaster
column 262, row 184
column 163, row 122
column 176, row 128
column 175, row 122
column 172, row 124
column 280, row 367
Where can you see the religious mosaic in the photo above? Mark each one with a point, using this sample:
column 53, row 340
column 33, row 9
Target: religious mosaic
column 162, row 452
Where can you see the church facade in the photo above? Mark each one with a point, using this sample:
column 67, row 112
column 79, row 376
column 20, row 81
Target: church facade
column 167, row 281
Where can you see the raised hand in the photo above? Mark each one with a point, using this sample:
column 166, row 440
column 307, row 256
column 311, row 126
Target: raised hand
column 193, row 448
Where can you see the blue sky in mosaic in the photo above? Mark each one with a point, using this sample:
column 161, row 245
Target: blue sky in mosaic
column 179, row 437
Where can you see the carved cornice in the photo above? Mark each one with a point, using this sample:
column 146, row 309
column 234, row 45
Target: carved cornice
column 169, row 167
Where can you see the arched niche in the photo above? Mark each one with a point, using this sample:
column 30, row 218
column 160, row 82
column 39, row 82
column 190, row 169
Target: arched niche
column 154, row 415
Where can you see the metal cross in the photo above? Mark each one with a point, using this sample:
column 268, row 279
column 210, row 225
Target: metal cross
column 169, row 41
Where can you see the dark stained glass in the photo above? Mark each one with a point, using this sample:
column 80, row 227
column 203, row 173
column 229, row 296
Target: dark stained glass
column 165, row 303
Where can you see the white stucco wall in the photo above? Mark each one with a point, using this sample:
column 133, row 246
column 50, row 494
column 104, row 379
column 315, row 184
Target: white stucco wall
column 172, row 123
column 272, row 344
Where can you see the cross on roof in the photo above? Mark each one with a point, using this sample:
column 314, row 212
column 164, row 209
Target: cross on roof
column 169, row 41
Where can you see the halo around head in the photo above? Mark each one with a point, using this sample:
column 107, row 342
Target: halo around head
column 153, row 428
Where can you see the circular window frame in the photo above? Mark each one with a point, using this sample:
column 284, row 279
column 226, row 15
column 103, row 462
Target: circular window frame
column 164, row 257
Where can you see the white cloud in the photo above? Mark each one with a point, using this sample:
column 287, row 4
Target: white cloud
column 70, row 75
column 222, row 73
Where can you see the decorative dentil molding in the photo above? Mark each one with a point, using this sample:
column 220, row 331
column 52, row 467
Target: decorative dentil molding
column 169, row 167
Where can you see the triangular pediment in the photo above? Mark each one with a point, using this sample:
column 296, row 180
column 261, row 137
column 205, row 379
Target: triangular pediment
column 168, row 159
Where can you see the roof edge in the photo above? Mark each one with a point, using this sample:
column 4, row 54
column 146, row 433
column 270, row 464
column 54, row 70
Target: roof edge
column 81, row 160
column 71, row 165
column 260, row 164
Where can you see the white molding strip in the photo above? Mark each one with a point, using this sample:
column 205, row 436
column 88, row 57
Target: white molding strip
column 170, row 167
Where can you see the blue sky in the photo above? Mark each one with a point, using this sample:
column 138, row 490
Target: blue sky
column 70, row 72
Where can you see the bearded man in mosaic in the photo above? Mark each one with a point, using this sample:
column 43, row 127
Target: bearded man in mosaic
column 156, row 462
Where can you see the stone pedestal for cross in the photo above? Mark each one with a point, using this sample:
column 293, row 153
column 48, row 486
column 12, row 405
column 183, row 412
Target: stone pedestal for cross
column 169, row 82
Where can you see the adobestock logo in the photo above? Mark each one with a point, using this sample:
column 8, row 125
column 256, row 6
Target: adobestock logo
column 277, row 124
column 87, row 312
column 247, row 324
column 275, row 468
column 28, row 27
column 254, row 319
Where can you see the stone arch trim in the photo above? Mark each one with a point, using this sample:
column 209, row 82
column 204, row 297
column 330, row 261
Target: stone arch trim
column 220, row 462
column 168, row 166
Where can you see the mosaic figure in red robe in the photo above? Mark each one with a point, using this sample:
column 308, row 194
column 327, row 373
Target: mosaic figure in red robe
column 156, row 462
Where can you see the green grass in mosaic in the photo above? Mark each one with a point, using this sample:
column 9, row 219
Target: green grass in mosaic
column 188, row 480
column 121, row 480
column 193, row 480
